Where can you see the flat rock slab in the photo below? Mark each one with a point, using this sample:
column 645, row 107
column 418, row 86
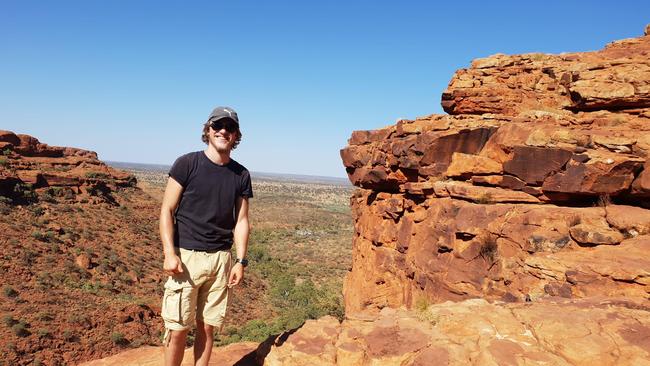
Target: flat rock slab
column 552, row 331
column 154, row 356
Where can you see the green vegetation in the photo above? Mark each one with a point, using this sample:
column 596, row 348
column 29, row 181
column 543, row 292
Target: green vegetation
column 46, row 237
column 44, row 333
column 20, row 329
column 68, row 335
column 294, row 299
column 3, row 160
column 25, row 191
column 8, row 320
column 97, row 175
column 422, row 311
column 118, row 338
column 8, row 291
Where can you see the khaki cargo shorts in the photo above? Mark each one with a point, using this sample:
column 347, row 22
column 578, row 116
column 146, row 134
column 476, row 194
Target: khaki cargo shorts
column 200, row 292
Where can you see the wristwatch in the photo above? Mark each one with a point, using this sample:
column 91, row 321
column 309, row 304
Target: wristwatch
column 243, row 261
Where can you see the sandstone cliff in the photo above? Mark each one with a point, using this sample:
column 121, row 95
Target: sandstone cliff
column 535, row 185
column 513, row 231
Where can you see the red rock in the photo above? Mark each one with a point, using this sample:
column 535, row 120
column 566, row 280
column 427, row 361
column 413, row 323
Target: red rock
column 83, row 261
column 40, row 165
column 534, row 164
column 590, row 235
column 630, row 220
column 232, row 354
column 614, row 77
column 466, row 165
column 553, row 332
column 641, row 184
column 9, row 137
column 315, row 344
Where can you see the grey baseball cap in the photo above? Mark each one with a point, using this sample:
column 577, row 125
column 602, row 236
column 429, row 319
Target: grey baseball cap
column 223, row 112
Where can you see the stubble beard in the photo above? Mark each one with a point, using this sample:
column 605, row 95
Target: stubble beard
column 223, row 148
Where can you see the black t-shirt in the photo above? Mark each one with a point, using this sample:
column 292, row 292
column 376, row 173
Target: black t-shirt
column 205, row 216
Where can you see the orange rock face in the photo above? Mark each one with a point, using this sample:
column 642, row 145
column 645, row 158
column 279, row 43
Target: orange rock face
column 535, row 185
column 603, row 332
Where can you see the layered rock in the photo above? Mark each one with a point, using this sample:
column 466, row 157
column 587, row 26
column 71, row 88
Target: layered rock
column 615, row 78
column 29, row 167
column 535, row 185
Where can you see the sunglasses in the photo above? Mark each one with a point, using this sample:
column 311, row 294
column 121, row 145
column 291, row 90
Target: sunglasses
column 225, row 123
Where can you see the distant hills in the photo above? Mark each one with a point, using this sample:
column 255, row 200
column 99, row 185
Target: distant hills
column 298, row 178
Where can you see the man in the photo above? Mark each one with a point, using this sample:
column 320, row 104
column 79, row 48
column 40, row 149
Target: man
column 204, row 209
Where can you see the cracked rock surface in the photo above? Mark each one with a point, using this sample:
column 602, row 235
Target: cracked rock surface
column 554, row 331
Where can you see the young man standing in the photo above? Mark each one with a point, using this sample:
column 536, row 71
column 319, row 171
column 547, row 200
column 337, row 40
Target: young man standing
column 204, row 210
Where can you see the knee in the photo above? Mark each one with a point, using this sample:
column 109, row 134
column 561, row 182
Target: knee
column 205, row 328
column 178, row 336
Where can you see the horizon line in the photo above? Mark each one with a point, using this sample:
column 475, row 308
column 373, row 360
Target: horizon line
column 253, row 172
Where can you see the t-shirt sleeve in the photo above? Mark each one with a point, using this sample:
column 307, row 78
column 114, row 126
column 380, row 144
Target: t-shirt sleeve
column 246, row 187
column 180, row 171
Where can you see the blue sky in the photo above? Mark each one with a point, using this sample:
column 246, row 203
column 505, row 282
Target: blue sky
column 134, row 80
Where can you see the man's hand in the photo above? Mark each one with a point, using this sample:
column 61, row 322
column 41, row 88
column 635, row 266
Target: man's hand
column 236, row 275
column 172, row 265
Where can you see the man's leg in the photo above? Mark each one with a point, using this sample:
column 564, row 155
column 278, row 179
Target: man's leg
column 175, row 348
column 203, row 343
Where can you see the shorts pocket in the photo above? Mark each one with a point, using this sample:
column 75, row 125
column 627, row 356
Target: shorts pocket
column 175, row 307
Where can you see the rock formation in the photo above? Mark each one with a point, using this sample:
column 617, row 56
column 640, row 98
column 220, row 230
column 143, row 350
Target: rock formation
column 535, row 185
column 513, row 231
column 28, row 166
column 474, row 332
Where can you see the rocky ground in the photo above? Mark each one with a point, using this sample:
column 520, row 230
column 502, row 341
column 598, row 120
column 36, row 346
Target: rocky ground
column 80, row 267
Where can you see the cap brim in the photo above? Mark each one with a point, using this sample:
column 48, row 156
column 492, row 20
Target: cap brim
column 218, row 118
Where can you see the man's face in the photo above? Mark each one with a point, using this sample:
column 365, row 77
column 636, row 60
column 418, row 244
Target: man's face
column 223, row 133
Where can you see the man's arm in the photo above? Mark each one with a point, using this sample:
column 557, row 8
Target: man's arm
column 172, row 197
column 241, row 232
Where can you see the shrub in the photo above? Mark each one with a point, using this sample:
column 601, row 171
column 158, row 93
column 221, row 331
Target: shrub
column 604, row 200
column 485, row 198
column 38, row 211
column 118, row 338
column 20, row 329
column 25, row 191
column 48, row 197
column 489, row 249
column 44, row 333
column 3, row 160
column 96, row 175
column 8, row 291
column 44, row 237
column 68, row 335
column 9, row 320
column 44, row 317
